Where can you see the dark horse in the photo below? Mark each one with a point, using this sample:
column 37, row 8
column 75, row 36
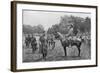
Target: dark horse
column 66, row 43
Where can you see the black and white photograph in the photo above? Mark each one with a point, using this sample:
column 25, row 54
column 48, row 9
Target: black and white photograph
column 56, row 36
column 49, row 36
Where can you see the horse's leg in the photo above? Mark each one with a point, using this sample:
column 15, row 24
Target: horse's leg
column 53, row 45
column 49, row 44
column 79, row 51
column 26, row 44
column 42, row 50
column 65, row 50
column 44, row 53
column 32, row 49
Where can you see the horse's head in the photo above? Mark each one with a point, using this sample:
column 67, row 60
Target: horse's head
column 60, row 37
column 56, row 35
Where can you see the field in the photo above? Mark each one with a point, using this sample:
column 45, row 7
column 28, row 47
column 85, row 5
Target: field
column 57, row 54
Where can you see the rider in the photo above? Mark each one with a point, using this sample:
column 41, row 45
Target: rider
column 70, row 33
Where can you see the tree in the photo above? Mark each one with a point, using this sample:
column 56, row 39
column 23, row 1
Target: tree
column 79, row 24
column 35, row 29
column 85, row 26
column 88, row 24
column 53, row 29
column 38, row 29
column 27, row 29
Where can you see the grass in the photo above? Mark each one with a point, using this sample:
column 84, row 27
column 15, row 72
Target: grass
column 57, row 54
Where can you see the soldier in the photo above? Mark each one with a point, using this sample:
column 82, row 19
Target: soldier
column 28, row 40
column 33, row 43
column 71, row 36
column 70, row 32
column 43, row 46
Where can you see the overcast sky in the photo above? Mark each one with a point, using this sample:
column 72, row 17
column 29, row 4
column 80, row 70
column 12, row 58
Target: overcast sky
column 47, row 19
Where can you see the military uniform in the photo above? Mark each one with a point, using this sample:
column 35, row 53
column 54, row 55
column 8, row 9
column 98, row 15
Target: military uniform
column 43, row 46
column 33, row 44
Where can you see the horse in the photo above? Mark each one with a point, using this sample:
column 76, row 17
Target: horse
column 70, row 42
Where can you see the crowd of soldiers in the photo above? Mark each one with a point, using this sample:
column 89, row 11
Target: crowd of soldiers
column 31, row 40
column 45, row 41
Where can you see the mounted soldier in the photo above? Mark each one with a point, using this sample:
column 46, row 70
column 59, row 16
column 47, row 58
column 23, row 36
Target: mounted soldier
column 72, row 34
column 70, row 30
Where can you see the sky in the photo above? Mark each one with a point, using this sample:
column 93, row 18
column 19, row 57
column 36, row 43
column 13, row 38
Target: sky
column 47, row 18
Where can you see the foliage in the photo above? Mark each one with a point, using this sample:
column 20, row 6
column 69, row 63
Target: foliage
column 79, row 24
column 35, row 29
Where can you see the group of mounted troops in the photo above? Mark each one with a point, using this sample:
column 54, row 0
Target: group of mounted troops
column 31, row 41
column 46, row 40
